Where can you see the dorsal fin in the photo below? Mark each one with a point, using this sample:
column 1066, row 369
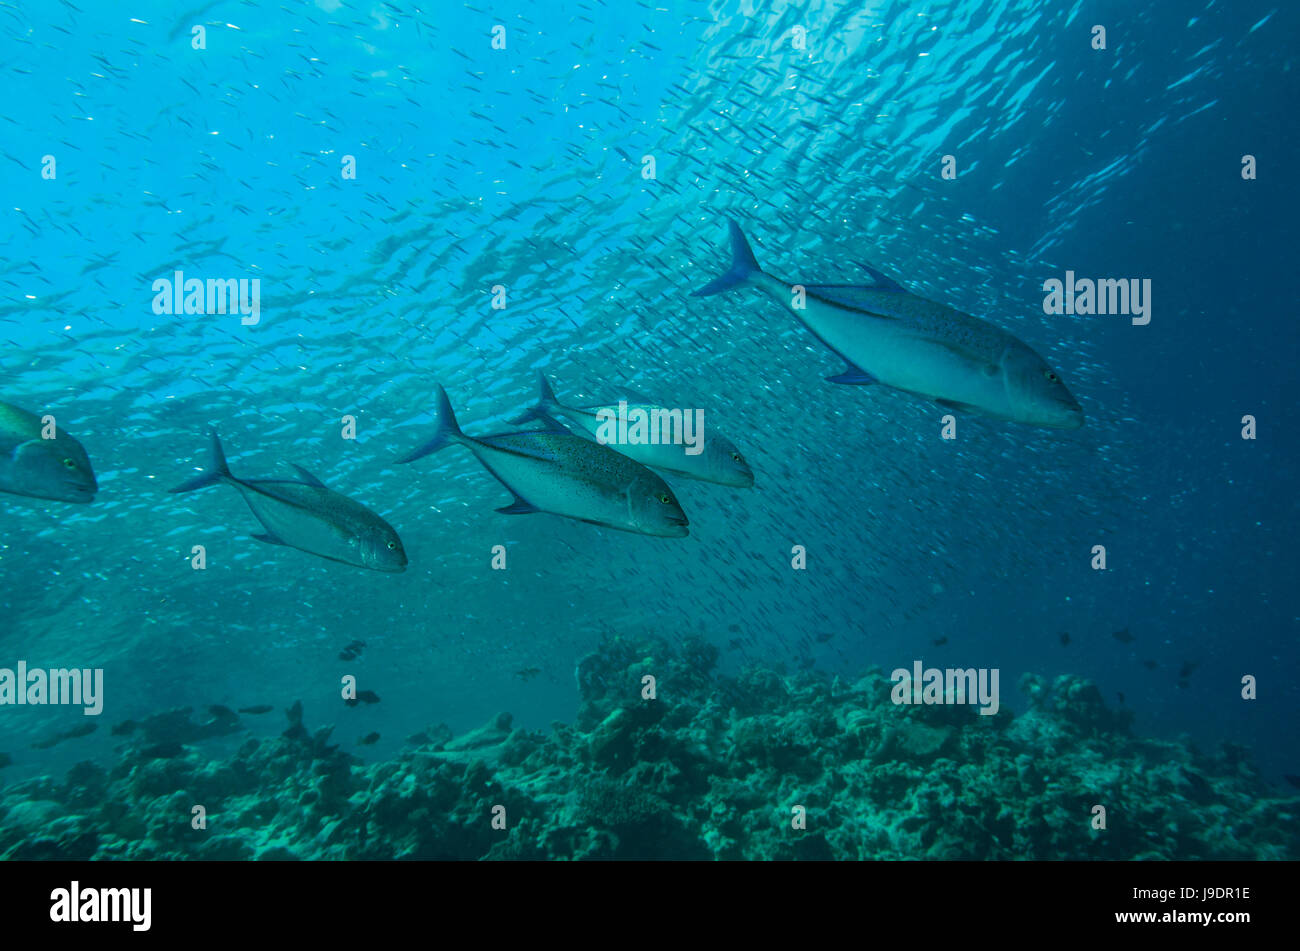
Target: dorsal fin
column 862, row 297
column 307, row 476
column 883, row 283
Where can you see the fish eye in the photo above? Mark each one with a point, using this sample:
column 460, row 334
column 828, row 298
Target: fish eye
column 69, row 464
column 737, row 457
column 392, row 546
column 665, row 498
column 1051, row 377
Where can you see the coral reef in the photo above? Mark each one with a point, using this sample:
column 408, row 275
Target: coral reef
column 711, row 767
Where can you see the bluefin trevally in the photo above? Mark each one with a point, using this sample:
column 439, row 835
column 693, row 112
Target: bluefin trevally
column 890, row 336
column 718, row 460
column 56, row 468
column 564, row 474
column 306, row 515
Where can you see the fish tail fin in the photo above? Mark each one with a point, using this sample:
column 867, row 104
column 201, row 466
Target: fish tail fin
column 545, row 406
column 217, row 470
column 545, row 395
column 448, row 430
column 743, row 265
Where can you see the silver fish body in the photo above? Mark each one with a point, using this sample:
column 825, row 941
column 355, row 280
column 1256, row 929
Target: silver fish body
column 567, row 475
column 306, row 515
column 718, row 461
column 889, row 336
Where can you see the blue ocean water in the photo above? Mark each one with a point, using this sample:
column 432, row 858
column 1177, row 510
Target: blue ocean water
column 821, row 128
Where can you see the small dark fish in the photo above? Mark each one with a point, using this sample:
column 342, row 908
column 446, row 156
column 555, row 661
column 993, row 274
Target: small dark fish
column 1293, row 780
column 528, row 673
column 352, row 651
column 363, row 696
column 1124, row 637
column 259, row 708
column 734, row 643
column 124, row 728
column 368, row 740
column 163, row 751
column 222, row 713
column 1150, row 664
column 296, row 730
column 1065, row 639
column 5, row 760
column 1201, row 787
column 84, row 730
column 823, row 637
column 940, row 641
column 1188, row 667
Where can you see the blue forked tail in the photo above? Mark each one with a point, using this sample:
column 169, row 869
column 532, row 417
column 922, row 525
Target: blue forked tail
column 214, row 473
column 743, row 264
column 448, row 430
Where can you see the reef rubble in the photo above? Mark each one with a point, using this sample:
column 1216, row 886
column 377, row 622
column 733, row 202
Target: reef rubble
column 762, row 765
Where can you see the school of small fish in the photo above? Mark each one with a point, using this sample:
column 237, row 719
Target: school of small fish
column 885, row 335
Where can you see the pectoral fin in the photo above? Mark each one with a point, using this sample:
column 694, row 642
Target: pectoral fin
column 853, row 376
column 519, row 507
column 269, row 539
column 960, row 407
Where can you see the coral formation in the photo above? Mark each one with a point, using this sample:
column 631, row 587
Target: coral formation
column 711, row 767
